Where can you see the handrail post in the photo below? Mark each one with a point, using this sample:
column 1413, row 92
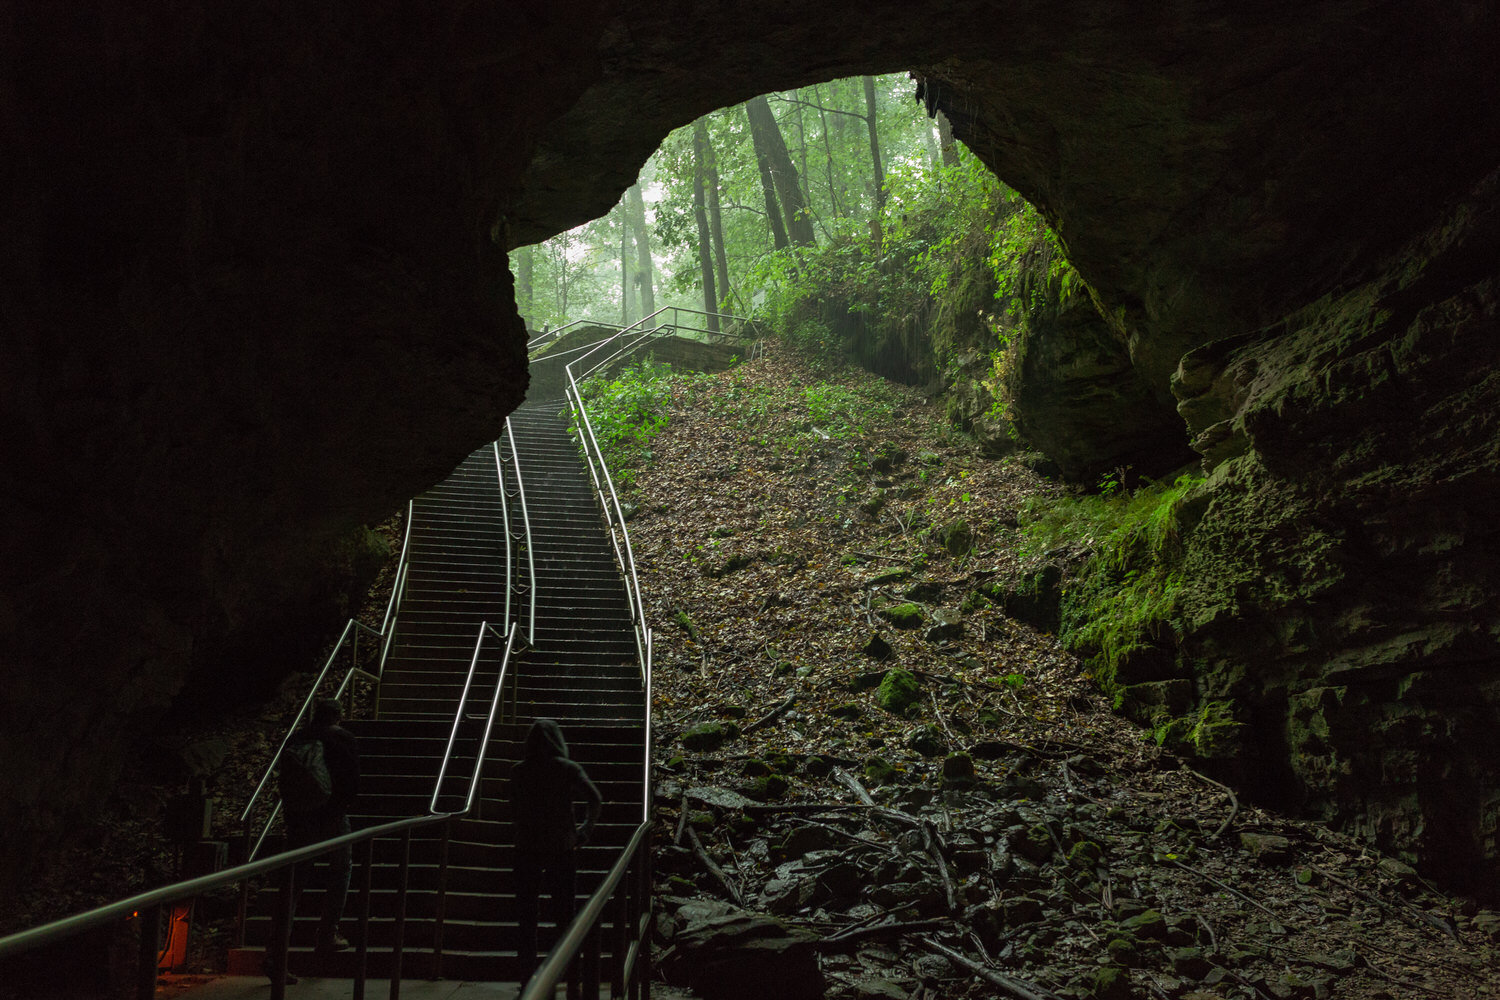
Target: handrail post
column 442, row 902
column 243, row 912
column 399, row 940
column 362, row 953
column 280, row 944
column 621, row 943
column 150, row 942
column 590, row 958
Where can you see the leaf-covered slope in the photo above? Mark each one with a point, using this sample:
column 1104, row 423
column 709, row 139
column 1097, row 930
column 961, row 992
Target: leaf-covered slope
column 784, row 522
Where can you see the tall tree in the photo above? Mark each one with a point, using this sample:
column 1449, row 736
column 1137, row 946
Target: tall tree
column 525, row 281
column 705, row 240
column 766, row 135
column 624, row 268
column 945, row 135
column 768, row 187
column 635, row 206
column 870, row 120
column 715, row 217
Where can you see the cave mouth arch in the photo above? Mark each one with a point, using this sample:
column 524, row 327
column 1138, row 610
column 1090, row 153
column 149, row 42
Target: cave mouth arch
column 253, row 299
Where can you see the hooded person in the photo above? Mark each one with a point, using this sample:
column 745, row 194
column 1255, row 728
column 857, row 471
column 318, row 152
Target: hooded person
column 544, row 787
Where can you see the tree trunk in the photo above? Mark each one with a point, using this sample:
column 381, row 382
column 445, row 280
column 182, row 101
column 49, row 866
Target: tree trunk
column 644, row 271
column 624, row 269
column 525, row 281
column 870, row 120
column 833, row 195
column 934, row 158
column 766, row 135
column 950, row 147
column 705, row 240
column 716, row 219
column 767, row 185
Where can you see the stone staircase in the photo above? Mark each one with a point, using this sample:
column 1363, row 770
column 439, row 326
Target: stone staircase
column 581, row 669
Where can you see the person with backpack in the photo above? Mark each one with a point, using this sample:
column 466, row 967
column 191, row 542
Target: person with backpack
column 544, row 786
column 319, row 779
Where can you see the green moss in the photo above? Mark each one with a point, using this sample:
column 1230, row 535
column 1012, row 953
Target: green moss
column 897, row 691
column 879, row 770
column 710, row 736
column 903, row 615
column 1125, row 599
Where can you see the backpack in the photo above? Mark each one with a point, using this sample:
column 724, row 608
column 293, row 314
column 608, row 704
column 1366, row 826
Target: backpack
column 306, row 784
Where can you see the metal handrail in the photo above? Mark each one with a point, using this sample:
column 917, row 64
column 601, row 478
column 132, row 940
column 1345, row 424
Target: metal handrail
column 387, row 630
column 644, row 333
column 542, row 338
column 148, row 905
column 515, row 458
column 458, row 715
column 556, row 965
column 144, row 903
column 615, row 518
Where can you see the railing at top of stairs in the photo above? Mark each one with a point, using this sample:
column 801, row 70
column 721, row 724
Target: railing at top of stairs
column 624, row 898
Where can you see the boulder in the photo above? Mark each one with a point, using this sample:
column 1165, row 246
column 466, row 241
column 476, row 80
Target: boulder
column 722, row 952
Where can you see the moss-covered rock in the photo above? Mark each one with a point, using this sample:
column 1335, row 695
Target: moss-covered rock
column 878, row 771
column 958, row 771
column 903, row 616
column 898, row 691
column 709, row 736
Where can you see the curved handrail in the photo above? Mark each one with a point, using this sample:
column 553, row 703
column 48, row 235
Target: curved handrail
column 615, row 517
column 112, row 912
column 515, row 458
column 555, row 965
column 542, row 338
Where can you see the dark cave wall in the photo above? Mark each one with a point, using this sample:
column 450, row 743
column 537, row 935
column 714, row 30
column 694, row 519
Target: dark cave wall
column 254, row 294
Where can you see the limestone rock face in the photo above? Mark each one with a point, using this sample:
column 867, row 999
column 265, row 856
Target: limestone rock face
column 254, row 295
column 1346, row 564
column 1077, row 397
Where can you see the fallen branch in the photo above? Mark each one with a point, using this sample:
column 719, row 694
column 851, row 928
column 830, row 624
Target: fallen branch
column 854, row 784
column 775, row 714
column 865, row 799
column 1229, row 888
column 900, row 926
column 681, row 821
column 714, row 869
column 1234, row 803
column 888, row 848
column 933, row 846
column 1403, row 912
column 1015, row 987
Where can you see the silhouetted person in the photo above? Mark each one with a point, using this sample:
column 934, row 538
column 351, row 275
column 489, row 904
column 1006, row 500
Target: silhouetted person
column 544, row 785
column 308, row 824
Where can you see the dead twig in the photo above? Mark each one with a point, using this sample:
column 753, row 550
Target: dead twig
column 937, row 713
column 681, row 822
column 899, row 927
column 1402, row 912
column 855, row 786
column 933, row 847
column 1229, row 888
column 1015, row 987
column 714, row 869
column 772, row 716
column 1234, row 803
column 888, row 848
